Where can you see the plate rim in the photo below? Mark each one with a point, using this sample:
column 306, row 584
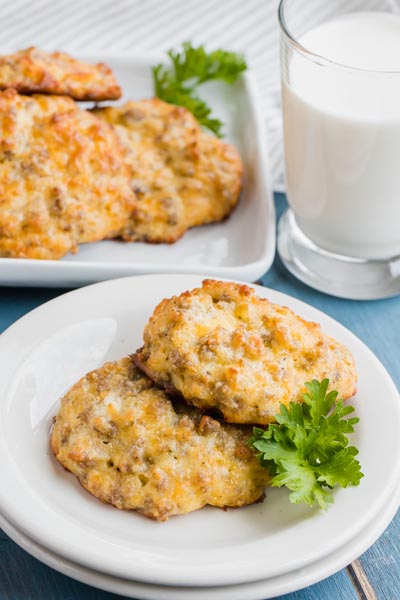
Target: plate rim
column 281, row 584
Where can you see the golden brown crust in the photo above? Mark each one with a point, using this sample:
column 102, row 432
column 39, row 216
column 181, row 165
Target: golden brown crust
column 63, row 177
column 129, row 446
column 35, row 71
column 182, row 177
column 222, row 347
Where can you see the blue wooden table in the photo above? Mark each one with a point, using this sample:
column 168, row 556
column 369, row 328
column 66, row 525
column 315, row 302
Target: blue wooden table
column 375, row 575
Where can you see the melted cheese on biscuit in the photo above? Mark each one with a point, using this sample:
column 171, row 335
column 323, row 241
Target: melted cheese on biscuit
column 130, row 446
column 222, row 347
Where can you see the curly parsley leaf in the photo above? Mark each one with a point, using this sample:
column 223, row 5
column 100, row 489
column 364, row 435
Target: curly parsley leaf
column 190, row 68
column 308, row 450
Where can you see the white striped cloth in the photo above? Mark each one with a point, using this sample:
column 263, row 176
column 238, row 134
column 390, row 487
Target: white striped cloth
column 248, row 26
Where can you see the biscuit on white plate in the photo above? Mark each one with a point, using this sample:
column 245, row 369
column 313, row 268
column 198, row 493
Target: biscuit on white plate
column 182, row 177
column 35, row 71
column 222, row 347
column 63, row 177
column 130, row 446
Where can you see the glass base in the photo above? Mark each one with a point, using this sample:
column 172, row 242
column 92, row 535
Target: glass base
column 352, row 278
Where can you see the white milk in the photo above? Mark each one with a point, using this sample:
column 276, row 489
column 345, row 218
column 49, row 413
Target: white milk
column 342, row 136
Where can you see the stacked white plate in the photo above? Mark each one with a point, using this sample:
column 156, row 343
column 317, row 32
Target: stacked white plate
column 256, row 552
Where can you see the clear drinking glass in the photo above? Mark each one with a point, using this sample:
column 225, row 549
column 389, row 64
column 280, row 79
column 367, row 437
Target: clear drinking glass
column 341, row 233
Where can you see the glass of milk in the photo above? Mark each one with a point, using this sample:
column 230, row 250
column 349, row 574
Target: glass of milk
column 340, row 66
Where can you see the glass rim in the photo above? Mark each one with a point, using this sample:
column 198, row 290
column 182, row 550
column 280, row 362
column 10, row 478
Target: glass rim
column 319, row 58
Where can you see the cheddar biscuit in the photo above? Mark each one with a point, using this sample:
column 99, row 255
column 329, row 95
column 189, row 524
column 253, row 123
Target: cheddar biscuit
column 36, row 71
column 182, row 177
column 221, row 347
column 63, row 177
column 130, row 446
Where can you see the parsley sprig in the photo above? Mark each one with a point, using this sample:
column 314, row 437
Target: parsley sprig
column 307, row 450
column 178, row 83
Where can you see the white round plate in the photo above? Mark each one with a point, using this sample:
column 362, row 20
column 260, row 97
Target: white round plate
column 45, row 352
column 258, row 590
